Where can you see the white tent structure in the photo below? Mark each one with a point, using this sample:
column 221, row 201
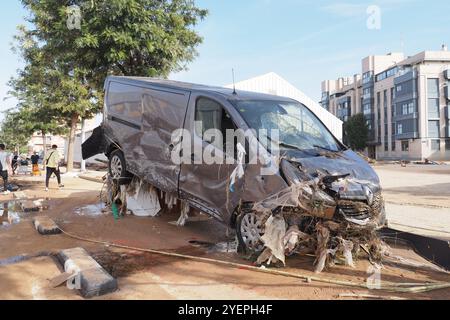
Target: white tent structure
column 272, row 83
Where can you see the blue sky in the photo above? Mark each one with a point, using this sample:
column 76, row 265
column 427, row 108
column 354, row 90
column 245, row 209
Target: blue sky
column 303, row 41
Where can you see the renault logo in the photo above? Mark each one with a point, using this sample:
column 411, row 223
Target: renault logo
column 369, row 195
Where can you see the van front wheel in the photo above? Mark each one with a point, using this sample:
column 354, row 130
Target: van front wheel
column 250, row 229
column 118, row 168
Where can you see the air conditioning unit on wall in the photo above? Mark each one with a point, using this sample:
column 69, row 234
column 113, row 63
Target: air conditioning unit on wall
column 447, row 74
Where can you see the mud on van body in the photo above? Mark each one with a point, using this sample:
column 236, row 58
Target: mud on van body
column 317, row 177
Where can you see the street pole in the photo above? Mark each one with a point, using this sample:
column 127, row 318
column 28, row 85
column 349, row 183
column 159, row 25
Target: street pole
column 83, row 138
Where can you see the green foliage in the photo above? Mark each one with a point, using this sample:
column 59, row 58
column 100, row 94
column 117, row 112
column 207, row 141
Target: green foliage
column 16, row 131
column 65, row 68
column 120, row 37
column 44, row 84
column 356, row 132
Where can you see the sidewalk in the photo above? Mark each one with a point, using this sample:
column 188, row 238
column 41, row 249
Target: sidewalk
column 433, row 222
column 417, row 198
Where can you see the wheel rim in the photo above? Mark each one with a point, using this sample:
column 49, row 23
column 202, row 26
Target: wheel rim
column 251, row 231
column 116, row 167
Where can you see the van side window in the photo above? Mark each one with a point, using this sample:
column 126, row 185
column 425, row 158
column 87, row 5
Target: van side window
column 211, row 115
column 125, row 102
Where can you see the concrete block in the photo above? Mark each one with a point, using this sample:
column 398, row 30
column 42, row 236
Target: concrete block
column 29, row 206
column 93, row 279
column 20, row 195
column 46, row 226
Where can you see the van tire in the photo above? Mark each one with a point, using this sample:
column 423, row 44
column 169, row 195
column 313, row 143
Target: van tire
column 249, row 229
column 118, row 168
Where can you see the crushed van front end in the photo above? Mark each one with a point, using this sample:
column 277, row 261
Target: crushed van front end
column 332, row 208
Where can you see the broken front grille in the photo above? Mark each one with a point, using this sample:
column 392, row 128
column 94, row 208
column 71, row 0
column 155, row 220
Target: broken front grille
column 360, row 210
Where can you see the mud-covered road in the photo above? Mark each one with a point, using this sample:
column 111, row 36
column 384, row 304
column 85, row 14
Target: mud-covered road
column 147, row 276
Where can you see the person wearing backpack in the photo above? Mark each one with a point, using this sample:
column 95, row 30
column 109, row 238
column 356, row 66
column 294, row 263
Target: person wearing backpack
column 5, row 167
column 52, row 163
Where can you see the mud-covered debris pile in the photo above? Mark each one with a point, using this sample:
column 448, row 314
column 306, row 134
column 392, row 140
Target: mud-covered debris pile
column 142, row 199
column 304, row 218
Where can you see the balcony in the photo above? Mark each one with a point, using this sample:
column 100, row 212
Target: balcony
column 405, row 76
column 407, row 135
column 401, row 117
column 409, row 95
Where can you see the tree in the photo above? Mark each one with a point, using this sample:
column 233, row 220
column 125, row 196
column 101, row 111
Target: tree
column 356, row 132
column 115, row 37
column 46, row 95
column 15, row 131
column 21, row 124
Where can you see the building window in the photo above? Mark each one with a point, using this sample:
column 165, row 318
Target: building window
column 447, row 145
column 433, row 88
column 404, row 109
column 433, row 108
column 367, row 109
column 408, row 108
column 435, row 145
column 411, row 108
column 367, row 77
column 433, row 129
column 386, row 146
column 405, row 146
column 393, row 144
column 399, row 88
column 400, row 128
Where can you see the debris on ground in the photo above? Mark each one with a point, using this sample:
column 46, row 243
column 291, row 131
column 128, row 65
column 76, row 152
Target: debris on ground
column 28, row 206
column 61, row 279
column 430, row 162
column 142, row 199
column 369, row 296
column 332, row 228
column 20, row 195
column 12, row 187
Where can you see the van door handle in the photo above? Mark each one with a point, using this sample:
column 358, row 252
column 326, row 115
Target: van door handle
column 171, row 147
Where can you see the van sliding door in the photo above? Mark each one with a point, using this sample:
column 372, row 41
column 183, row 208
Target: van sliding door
column 164, row 112
column 204, row 183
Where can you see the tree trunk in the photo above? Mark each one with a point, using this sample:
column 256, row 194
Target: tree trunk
column 44, row 143
column 71, row 145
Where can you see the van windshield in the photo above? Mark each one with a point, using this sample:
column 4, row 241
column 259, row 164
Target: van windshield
column 298, row 128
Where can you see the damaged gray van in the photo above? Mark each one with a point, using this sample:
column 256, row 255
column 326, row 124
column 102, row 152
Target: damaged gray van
column 319, row 180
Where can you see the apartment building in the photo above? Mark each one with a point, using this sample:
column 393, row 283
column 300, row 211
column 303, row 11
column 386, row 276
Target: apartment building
column 405, row 100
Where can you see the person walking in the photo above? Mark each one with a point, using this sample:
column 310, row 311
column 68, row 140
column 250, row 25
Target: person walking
column 35, row 164
column 51, row 161
column 5, row 167
column 14, row 163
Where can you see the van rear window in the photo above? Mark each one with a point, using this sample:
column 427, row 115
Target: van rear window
column 125, row 102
